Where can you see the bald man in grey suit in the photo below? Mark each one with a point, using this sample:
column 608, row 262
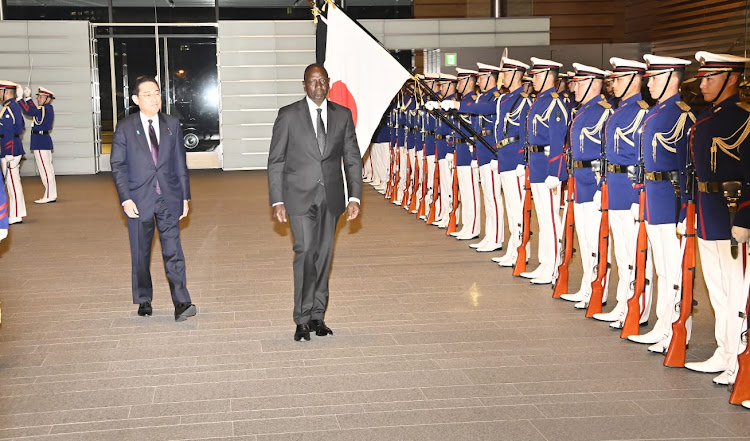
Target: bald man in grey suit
column 310, row 140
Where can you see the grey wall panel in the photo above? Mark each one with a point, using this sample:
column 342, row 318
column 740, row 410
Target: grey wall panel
column 284, row 28
column 230, row 88
column 301, row 57
column 468, row 26
column 241, row 73
column 246, row 161
column 253, row 132
column 56, row 53
column 247, row 145
column 268, row 101
column 248, row 58
column 231, row 117
column 295, row 43
column 239, row 28
column 289, row 99
column 247, row 43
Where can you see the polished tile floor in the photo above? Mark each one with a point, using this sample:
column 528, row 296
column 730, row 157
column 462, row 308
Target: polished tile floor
column 432, row 341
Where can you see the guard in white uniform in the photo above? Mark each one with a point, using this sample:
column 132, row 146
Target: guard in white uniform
column 43, row 116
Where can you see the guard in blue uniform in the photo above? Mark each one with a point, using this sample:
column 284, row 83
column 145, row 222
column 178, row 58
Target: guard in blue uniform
column 623, row 143
column 466, row 157
column 585, row 143
column 406, row 147
column 444, row 140
column 716, row 141
column 510, row 136
column 429, row 123
column 13, row 125
column 379, row 155
column 484, row 111
column 43, row 116
column 546, row 127
column 664, row 139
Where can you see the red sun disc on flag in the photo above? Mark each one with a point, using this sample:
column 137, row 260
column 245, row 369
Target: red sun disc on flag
column 340, row 94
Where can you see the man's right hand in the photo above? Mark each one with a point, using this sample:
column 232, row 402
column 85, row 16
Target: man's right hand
column 130, row 209
column 26, row 93
column 741, row 235
column 279, row 213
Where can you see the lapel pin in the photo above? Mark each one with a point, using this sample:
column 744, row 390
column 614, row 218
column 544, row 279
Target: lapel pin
column 169, row 131
column 137, row 132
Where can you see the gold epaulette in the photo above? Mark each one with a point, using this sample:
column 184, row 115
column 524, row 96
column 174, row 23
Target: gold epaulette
column 524, row 94
column 643, row 105
column 555, row 95
column 744, row 106
column 497, row 94
column 683, row 106
column 605, row 104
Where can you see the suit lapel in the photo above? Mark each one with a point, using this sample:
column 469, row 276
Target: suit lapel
column 142, row 135
column 304, row 110
column 331, row 125
column 165, row 138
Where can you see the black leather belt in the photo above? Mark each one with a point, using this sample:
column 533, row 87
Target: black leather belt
column 671, row 176
column 15, row 136
column 710, row 187
column 40, row 132
column 537, row 148
column 582, row 164
column 615, row 168
column 439, row 137
column 507, row 141
column 428, row 133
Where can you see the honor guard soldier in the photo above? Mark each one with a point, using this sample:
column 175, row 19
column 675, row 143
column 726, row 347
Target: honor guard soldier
column 400, row 149
column 13, row 125
column 466, row 157
column 546, row 127
column 407, row 120
column 418, row 169
column 445, row 152
column 585, row 143
column 664, row 141
column 510, row 132
column 379, row 155
column 623, row 143
column 716, row 140
column 430, row 146
column 484, row 111
column 43, row 116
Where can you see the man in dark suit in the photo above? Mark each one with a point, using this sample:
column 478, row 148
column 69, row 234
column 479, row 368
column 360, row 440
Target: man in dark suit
column 310, row 139
column 150, row 173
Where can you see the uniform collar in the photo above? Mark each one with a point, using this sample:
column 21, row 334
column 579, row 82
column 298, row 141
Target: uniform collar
column 732, row 100
column 632, row 99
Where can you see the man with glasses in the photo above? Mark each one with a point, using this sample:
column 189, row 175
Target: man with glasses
column 310, row 140
column 150, row 172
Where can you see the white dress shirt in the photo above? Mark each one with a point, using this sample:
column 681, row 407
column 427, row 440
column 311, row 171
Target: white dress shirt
column 155, row 123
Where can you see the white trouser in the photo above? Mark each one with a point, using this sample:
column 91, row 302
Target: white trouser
column 46, row 173
column 547, row 205
column 587, row 221
column 668, row 264
column 624, row 232
column 11, row 166
column 402, row 177
column 367, row 166
column 380, row 159
column 723, row 276
column 494, row 226
column 430, row 182
column 446, row 184
column 471, row 204
column 513, row 193
column 410, row 179
column 419, row 179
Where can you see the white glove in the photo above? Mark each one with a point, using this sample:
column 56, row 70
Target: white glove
column 3, row 234
column 26, row 93
column 598, row 199
column 449, row 157
column 681, row 228
column 474, row 163
column 521, row 170
column 551, row 182
column 741, row 235
column 431, row 105
column 450, row 104
column 635, row 211
column 19, row 92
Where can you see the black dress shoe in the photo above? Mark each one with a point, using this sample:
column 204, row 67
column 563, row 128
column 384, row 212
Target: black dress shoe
column 184, row 310
column 145, row 309
column 302, row 331
column 320, row 328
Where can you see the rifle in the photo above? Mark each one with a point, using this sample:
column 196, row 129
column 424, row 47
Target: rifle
column 602, row 266
column 454, row 205
column 435, row 189
column 741, row 387
column 520, row 266
column 422, row 209
column 632, row 319
column 409, row 181
column 566, row 250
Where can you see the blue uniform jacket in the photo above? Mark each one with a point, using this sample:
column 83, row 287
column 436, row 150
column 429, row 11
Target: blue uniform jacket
column 511, row 122
column 409, row 122
column 12, row 127
column 464, row 153
column 623, row 144
column 485, row 107
column 547, row 125
column 664, row 141
column 444, row 146
column 715, row 145
column 586, row 131
column 44, row 119
column 429, row 125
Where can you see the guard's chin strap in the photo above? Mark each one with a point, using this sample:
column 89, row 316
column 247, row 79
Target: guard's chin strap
column 666, row 85
column 487, row 84
column 464, row 88
column 723, row 86
column 630, row 83
column 591, row 82
column 546, row 75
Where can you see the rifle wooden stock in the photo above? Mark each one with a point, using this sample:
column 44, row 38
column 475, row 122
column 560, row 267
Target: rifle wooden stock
column 391, row 169
column 435, row 192
column 409, row 182
column 520, row 266
column 676, row 352
column 563, row 270
column 396, row 171
column 415, row 186
column 454, row 206
column 600, row 284
column 741, row 387
column 632, row 320
column 422, row 209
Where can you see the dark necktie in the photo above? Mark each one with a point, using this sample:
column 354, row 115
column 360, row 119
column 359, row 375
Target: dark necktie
column 321, row 135
column 154, row 147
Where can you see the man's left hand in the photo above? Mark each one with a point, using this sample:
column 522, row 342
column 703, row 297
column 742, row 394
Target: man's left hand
column 352, row 210
column 185, row 209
